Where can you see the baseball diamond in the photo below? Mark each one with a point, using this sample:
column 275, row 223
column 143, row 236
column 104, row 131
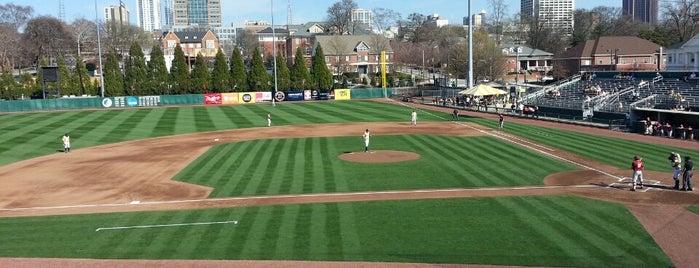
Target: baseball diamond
column 302, row 193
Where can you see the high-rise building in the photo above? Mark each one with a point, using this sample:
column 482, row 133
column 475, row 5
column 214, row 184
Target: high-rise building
column 198, row 12
column 363, row 16
column 645, row 11
column 477, row 20
column 551, row 14
column 118, row 15
column 149, row 15
column 169, row 15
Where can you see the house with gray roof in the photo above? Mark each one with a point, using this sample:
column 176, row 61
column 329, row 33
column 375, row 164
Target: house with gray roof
column 684, row 57
column 355, row 53
column 612, row 53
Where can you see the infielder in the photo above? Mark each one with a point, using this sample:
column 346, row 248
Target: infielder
column 675, row 162
column 637, row 167
column 366, row 140
column 413, row 118
column 66, row 143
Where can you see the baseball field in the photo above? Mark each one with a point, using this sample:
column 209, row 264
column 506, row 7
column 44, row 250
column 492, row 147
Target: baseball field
column 214, row 186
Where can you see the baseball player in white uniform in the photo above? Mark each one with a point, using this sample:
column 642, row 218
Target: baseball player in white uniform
column 366, row 140
column 413, row 118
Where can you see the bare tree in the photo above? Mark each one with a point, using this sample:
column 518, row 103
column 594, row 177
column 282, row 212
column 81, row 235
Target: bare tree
column 497, row 17
column 46, row 37
column 384, row 19
column 12, row 18
column 336, row 49
column 85, row 34
column 118, row 40
column 247, row 42
column 682, row 18
column 340, row 16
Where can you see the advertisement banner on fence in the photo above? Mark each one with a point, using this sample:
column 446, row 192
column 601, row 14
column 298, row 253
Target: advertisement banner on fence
column 230, row 98
column 294, row 96
column 265, row 96
column 342, row 94
column 247, row 97
column 307, row 94
column 212, row 98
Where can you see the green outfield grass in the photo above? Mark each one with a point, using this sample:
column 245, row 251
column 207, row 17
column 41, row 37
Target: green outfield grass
column 533, row 231
column 311, row 165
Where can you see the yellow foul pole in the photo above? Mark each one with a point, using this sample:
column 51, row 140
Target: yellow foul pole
column 383, row 72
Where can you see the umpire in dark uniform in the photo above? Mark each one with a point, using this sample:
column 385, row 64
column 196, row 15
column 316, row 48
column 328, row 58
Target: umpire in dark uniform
column 687, row 174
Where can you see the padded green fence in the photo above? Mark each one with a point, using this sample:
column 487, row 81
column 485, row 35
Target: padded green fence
column 370, row 93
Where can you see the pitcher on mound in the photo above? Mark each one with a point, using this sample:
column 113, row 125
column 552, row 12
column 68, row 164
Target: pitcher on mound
column 366, row 140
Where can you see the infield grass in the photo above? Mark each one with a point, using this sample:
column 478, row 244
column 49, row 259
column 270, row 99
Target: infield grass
column 554, row 231
column 311, row 165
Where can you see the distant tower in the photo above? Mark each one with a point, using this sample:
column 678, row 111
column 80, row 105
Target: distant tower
column 288, row 13
column 61, row 11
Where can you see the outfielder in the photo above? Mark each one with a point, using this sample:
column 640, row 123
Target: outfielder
column 66, row 143
column 366, row 140
column 675, row 162
column 269, row 119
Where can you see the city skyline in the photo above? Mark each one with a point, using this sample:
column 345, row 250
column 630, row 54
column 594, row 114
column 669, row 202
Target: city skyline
column 236, row 12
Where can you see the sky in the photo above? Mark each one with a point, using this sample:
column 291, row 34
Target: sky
column 238, row 11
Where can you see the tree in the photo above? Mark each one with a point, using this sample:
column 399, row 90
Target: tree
column 46, row 37
column 340, row 17
column 113, row 78
column 9, row 89
column 27, row 84
column 682, row 19
column 259, row 78
column 384, row 19
column 300, row 78
column 65, row 83
column 12, row 18
column 220, row 76
column 283, row 75
column 497, row 17
column 82, row 78
column 85, row 35
column 239, row 75
column 158, row 77
column 200, row 75
column 136, row 72
column 320, row 74
column 179, row 73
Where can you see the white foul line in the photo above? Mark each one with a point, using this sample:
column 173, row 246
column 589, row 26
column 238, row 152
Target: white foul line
column 163, row 225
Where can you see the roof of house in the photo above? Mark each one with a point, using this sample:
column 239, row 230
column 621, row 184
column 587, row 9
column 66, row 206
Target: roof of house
column 189, row 36
column 277, row 30
column 605, row 45
column 524, row 51
column 347, row 44
column 305, row 29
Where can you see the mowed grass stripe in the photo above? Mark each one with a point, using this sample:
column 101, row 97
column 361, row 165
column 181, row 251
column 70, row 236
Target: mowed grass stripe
column 166, row 122
column 276, row 173
column 18, row 122
column 444, row 151
column 120, row 126
column 593, row 233
column 185, row 121
column 556, row 244
column 147, row 124
column 202, row 119
column 291, row 168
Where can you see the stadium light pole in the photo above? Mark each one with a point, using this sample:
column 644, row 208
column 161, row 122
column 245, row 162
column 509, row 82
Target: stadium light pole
column 470, row 46
column 274, row 52
column 99, row 51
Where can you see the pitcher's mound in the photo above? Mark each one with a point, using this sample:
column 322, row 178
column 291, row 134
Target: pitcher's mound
column 380, row 156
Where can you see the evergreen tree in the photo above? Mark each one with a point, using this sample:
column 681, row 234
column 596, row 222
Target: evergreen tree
column 9, row 89
column 158, row 77
column 136, row 73
column 27, row 84
column 200, row 76
column 259, row 78
column 239, row 74
column 220, row 77
column 113, row 78
column 65, row 84
column 283, row 74
column 179, row 73
column 300, row 78
column 38, row 86
column 320, row 74
column 82, row 78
